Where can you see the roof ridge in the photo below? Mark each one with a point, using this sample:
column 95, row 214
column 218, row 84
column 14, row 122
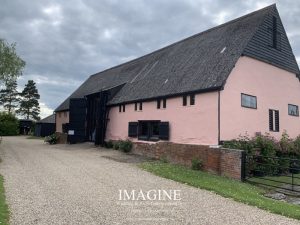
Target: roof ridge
column 187, row 38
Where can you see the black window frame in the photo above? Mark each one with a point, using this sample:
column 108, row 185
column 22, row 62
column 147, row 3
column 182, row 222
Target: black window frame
column 149, row 136
column 120, row 108
column 141, row 106
column 274, row 127
column 158, row 105
column 192, row 99
column 184, row 100
column 161, row 103
column 164, row 103
column 245, row 106
column 297, row 114
column 123, row 108
column 135, row 106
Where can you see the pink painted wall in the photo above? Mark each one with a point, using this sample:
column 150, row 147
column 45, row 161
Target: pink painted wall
column 274, row 88
column 61, row 118
column 197, row 124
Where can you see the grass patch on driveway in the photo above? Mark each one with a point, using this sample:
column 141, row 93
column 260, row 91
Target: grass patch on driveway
column 34, row 137
column 241, row 192
column 4, row 213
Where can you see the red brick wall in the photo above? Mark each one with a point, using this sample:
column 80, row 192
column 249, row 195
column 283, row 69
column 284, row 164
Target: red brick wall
column 62, row 138
column 225, row 162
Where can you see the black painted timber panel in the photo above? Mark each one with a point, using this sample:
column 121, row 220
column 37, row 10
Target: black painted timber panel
column 261, row 45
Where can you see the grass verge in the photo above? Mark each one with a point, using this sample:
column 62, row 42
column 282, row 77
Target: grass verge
column 34, row 137
column 4, row 213
column 238, row 191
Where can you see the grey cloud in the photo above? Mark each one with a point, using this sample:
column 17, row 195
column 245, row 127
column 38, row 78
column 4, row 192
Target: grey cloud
column 63, row 42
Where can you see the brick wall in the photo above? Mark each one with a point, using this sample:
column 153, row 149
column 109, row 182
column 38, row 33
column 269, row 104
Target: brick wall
column 225, row 162
column 62, row 138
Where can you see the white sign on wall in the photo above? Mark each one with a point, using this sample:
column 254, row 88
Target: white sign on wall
column 71, row 132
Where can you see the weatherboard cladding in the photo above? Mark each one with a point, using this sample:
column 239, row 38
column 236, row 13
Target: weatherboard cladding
column 199, row 63
column 260, row 46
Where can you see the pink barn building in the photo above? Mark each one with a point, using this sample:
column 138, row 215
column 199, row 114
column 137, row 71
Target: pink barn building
column 238, row 77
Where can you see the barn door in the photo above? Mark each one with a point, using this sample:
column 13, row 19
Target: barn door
column 77, row 129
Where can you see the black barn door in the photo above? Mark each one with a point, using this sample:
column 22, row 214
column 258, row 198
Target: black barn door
column 77, row 129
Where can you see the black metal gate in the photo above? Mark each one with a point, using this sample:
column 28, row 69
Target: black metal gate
column 278, row 173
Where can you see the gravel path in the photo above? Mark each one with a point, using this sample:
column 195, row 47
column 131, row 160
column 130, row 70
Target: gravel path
column 79, row 184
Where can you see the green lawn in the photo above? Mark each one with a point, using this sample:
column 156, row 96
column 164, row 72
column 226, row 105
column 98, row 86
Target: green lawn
column 241, row 192
column 272, row 180
column 4, row 213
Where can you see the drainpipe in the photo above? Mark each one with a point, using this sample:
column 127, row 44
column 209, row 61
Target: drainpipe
column 219, row 117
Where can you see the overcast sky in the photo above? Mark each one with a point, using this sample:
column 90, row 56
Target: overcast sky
column 63, row 42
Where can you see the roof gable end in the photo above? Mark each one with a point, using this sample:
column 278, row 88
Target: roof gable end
column 262, row 46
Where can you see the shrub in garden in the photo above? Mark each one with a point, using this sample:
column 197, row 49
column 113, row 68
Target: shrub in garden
column 9, row 124
column 125, row 146
column 197, row 164
column 51, row 139
column 109, row 144
column 116, row 145
column 296, row 147
column 243, row 142
column 286, row 144
column 266, row 144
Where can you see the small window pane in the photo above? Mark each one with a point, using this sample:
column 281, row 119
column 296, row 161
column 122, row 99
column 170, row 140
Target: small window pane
column 135, row 106
column 123, row 108
column 164, row 103
column 141, row 106
column 155, row 129
column 158, row 103
column 249, row 101
column 144, row 129
column 293, row 110
column 192, row 99
column 184, row 99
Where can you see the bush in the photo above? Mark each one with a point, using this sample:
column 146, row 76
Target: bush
column 272, row 151
column 125, row 146
column 109, row 144
column 296, row 146
column 116, row 145
column 9, row 124
column 197, row 164
column 266, row 145
column 52, row 139
column 243, row 142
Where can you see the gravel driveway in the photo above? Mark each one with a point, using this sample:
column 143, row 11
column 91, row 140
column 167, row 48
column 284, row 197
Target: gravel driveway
column 79, row 184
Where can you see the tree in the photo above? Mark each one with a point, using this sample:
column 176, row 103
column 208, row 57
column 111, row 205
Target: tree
column 29, row 104
column 8, row 124
column 9, row 97
column 11, row 65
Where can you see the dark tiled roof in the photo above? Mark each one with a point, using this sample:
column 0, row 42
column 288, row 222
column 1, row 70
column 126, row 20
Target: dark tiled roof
column 198, row 63
column 48, row 119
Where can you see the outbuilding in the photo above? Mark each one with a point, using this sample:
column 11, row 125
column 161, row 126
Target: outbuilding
column 45, row 127
column 25, row 126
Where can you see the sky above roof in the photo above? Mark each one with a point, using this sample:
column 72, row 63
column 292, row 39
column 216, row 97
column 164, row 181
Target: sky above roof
column 64, row 42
